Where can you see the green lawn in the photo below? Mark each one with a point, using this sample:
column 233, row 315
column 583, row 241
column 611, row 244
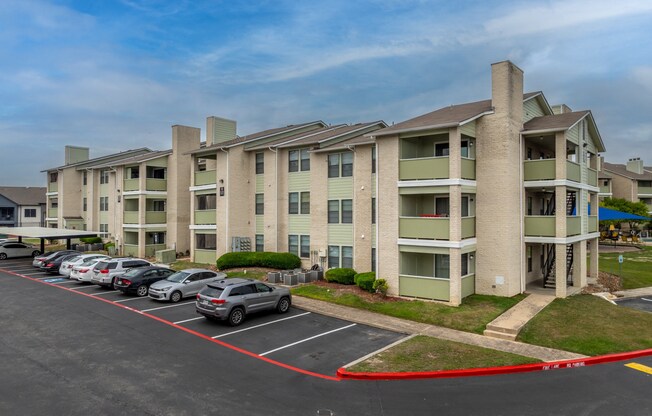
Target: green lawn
column 473, row 315
column 636, row 267
column 588, row 325
column 423, row 353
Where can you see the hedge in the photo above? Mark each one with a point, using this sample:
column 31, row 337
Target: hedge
column 258, row 259
column 91, row 240
column 342, row 275
column 365, row 281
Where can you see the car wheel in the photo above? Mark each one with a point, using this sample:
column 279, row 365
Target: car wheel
column 35, row 253
column 3, row 256
column 113, row 281
column 283, row 305
column 236, row 316
column 175, row 296
column 142, row 290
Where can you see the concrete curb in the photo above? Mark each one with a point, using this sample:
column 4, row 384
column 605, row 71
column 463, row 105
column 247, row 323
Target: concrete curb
column 343, row 373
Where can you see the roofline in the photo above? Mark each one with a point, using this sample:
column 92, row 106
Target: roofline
column 339, row 146
column 97, row 159
column 308, row 134
column 370, row 124
column 543, row 98
column 162, row 153
column 429, row 127
column 299, row 126
column 604, row 168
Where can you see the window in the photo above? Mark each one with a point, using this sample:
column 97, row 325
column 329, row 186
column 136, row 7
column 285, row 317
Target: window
column 465, row 206
column 305, row 202
column 465, row 148
column 465, row 264
column 260, row 242
column 205, row 202
column 84, row 178
column 305, row 246
column 157, row 237
column 373, row 259
column 260, row 204
column 373, row 159
column 104, row 203
column 529, row 205
column 333, row 211
column 529, row 153
column 260, row 163
column 293, row 161
column 54, row 203
column 293, row 244
column 6, row 214
column 334, row 166
column 104, row 176
column 441, row 149
column 54, row 176
column 30, row 212
column 305, row 160
column 373, row 210
column 293, row 203
column 333, row 256
column 347, row 257
column 134, row 172
column 347, row 211
column 104, row 228
column 442, row 206
column 335, row 260
column 347, row 164
column 155, row 172
column 529, row 258
column 158, row 205
column 206, row 241
column 84, row 204
column 442, row 266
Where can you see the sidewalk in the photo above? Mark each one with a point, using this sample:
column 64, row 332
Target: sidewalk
column 410, row 327
column 634, row 293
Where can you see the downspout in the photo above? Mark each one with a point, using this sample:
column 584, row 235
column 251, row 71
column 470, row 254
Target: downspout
column 275, row 194
column 522, row 218
column 226, row 223
column 354, row 202
column 377, row 213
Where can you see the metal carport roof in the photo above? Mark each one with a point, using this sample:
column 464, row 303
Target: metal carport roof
column 45, row 232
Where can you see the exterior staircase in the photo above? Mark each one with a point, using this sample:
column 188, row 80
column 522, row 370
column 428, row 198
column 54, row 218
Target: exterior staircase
column 509, row 324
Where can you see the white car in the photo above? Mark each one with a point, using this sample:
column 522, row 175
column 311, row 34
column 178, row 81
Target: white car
column 66, row 267
column 84, row 272
column 15, row 249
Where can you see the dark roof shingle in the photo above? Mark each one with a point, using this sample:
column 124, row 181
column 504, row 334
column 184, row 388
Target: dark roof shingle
column 21, row 195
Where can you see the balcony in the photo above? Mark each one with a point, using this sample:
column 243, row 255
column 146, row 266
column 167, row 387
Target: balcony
column 53, row 187
column 152, row 184
column 434, row 228
column 132, row 184
column 53, row 212
column 468, row 227
column 645, row 190
column 539, row 170
column 573, row 225
column 468, row 168
column 156, row 217
column 205, row 177
column 546, row 225
column 592, row 176
column 151, row 249
column 593, row 223
column 573, row 171
column 130, row 217
column 205, row 216
column 605, row 189
column 424, row 287
column 424, row 168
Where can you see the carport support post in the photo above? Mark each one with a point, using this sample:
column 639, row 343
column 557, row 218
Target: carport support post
column 593, row 258
column 68, row 244
column 42, row 245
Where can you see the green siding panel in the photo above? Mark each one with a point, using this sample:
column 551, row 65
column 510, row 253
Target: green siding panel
column 298, row 181
column 131, row 184
column 156, row 217
column 573, row 171
column 299, row 224
column 573, row 225
column 260, row 183
column 531, row 109
column 205, row 256
column 423, row 168
column 206, row 177
column 425, row 250
column 573, row 135
column 104, row 217
column 419, row 190
column 592, row 176
column 424, row 288
column 104, row 190
column 373, row 185
column 540, row 226
column 151, row 249
column 340, row 234
column 468, row 168
column 152, row 184
column 593, row 224
column 340, row 188
column 468, row 227
column 260, row 224
column 53, row 212
column 428, row 228
column 161, row 163
column 130, row 217
column 468, row 285
column 468, row 129
column 130, row 250
column 538, row 170
column 205, row 217
column 53, row 187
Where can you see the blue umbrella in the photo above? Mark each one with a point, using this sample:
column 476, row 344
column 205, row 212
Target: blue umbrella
column 607, row 214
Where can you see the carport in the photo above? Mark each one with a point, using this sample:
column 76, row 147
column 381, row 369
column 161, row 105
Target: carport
column 44, row 233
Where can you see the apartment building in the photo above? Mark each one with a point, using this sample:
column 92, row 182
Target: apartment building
column 22, row 206
column 631, row 181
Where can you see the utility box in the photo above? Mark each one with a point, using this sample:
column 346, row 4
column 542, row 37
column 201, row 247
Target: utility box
column 304, row 277
column 166, row 256
column 290, row 279
column 274, row 277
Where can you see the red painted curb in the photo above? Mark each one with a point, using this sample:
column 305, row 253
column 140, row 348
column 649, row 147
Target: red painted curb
column 525, row 368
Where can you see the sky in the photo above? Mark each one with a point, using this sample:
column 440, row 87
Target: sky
column 116, row 75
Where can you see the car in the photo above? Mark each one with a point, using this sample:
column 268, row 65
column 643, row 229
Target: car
column 67, row 265
column 182, row 284
column 233, row 299
column 106, row 271
column 53, row 264
column 84, row 271
column 49, row 255
column 137, row 281
column 15, row 249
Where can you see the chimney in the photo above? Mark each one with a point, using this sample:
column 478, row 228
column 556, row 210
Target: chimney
column 75, row 154
column 635, row 165
column 561, row 109
column 507, row 90
column 219, row 130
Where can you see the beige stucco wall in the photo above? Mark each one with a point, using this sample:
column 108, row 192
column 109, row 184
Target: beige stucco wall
column 319, row 203
column 388, row 203
column 622, row 187
column 362, row 188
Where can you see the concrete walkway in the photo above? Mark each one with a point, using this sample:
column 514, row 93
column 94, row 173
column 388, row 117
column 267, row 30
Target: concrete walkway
column 410, row 327
column 634, row 293
column 510, row 323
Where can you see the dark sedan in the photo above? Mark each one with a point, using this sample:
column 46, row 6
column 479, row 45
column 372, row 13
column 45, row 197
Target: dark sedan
column 137, row 281
column 52, row 263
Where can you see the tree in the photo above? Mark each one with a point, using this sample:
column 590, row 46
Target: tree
column 623, row 205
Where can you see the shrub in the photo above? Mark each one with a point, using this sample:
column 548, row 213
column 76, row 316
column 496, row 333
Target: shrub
column 91, row 240
column 258, row 259
column 381, row 286
column 365, row 281
column 107, row 245
column 342, row 275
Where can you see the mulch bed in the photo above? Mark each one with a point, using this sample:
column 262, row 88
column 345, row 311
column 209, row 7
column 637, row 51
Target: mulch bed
column 606, row 282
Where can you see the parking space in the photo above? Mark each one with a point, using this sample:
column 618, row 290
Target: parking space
column 298, row 338
column 641, row 303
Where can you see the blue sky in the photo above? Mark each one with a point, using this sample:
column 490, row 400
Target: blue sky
column 115, row 75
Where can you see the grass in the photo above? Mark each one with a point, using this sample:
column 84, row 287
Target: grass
column 473, row 315
column 636, row 267
column 588, row 325
column 258, row 275
column 423, row 353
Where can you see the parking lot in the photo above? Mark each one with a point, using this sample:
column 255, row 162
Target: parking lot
column 641, row 303
column 301, row 339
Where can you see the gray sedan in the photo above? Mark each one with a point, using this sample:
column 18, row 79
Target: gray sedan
column 183, row 284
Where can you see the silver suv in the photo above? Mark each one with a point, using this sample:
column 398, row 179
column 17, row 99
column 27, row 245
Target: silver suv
column 105, row 272
column 182, row 284
column 232, row 299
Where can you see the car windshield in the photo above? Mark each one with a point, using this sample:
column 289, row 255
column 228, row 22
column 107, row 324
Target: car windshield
column 90, row 262
column 177, row 277
column 74, row 258
column 211, row 291
column 133, row 272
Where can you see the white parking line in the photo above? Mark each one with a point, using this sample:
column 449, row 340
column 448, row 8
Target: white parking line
column 82, row 287
column 64, row 282
column 104, row 293
column 647, row 300
column 127, row 300
column 258, row 326
column 169, row 306
column 305, row 340
column 188, row 320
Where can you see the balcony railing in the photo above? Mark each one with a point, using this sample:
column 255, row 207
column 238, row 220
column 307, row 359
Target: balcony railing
column 205, row 216
column 573, row 171
column 540, row 226
column 205, row 177
column 151, row 249
column 426, row 228
column 539, row 170
column 605, row 189
column 423, row 168
column 468, row 227
column 53, row 212
column 131, row 184
column 152, row 184
column 468, row 168
column 593, row 223
column 645, row 190
column 53, row 187
column 592, row 176
column 424, row 287
column 156, row 217
column 573, row 225
column 130, row 217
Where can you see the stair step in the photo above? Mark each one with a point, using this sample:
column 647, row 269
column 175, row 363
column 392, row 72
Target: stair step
column 499, row 335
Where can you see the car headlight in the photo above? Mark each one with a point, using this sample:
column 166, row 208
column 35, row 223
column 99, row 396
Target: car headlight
column 163, row 289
